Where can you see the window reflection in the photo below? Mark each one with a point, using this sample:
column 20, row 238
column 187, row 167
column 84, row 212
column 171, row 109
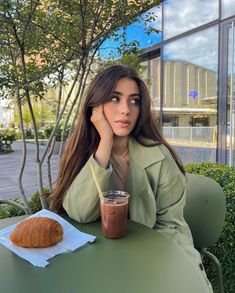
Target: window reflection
column 228, row 8
column 190, row 95
column 181, row 16
column 151, row 75
column 230, row 142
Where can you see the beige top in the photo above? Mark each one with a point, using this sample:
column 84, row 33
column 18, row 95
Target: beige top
column 120, row 164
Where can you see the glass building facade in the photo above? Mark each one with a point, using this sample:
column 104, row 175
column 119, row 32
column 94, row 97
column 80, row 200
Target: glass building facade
column 190, row 66
column 190, row 70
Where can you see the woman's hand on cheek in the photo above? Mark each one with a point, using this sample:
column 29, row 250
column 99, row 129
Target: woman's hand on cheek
column 105, row 131
column 101, row 124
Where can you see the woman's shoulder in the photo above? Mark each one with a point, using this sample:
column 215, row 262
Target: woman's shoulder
column 150, row 145
column 153, row 152
column 148, row 151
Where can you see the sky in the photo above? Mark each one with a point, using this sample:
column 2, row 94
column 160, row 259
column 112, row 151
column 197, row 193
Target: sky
column 135, row 32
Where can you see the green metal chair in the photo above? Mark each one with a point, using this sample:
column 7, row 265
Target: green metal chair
column 14, row 204
column 205, row 214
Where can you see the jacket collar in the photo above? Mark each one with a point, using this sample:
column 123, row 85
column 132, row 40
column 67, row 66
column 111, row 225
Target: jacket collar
column 144, row 156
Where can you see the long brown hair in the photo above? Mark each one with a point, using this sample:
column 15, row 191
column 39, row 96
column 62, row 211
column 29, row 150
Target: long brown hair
column 85, row 139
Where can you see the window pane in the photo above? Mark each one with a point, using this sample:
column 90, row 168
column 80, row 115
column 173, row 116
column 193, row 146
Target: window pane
column 151, row 76
column 154, row 85
column 228, row 8
column 190, row 95
column 181, row 16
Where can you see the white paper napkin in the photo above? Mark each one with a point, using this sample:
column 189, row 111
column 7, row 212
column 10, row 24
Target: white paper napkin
column 72, row 239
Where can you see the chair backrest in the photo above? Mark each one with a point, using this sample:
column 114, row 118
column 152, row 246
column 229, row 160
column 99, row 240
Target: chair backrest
column 204, row 210
column 14, row 204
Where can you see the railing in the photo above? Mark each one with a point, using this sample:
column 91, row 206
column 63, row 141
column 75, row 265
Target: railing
column 190, row 134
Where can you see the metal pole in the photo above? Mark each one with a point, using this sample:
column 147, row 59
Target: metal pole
column 231, row 101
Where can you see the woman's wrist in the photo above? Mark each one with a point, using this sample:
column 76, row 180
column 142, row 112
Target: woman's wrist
column 102, row 155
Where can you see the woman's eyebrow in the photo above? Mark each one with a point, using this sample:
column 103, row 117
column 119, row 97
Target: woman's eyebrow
column 121, row 94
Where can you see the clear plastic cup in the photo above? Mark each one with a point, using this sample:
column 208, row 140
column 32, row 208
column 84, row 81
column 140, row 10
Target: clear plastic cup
column 114, row 208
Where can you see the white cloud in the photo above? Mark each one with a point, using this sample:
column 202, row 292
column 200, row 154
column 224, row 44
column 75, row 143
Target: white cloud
column 200, row 48
column 228, row 8
column 183, row 15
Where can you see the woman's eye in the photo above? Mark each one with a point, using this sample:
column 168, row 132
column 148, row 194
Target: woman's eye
column 114, row 99
column 135, row 101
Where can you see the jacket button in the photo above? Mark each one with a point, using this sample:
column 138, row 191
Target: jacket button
column 201, row 266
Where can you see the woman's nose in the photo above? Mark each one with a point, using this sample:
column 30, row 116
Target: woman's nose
column 125, row 108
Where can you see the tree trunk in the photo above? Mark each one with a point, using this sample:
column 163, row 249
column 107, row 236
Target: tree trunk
column 24, row 152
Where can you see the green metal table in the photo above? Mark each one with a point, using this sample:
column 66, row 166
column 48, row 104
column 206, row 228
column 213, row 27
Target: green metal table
column 144, row 261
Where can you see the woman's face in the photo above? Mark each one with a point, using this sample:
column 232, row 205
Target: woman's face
column 123, row 109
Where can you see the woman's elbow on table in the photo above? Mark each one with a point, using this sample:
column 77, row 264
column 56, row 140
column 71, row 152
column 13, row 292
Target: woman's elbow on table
column 80, row 212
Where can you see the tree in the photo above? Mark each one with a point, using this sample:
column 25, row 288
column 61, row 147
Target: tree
column 49, row 42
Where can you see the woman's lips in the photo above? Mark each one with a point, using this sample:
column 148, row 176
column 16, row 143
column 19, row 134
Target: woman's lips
column 123, row 123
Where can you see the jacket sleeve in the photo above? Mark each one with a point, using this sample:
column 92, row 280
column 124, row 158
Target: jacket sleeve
column 170, row 201
column 81, row 201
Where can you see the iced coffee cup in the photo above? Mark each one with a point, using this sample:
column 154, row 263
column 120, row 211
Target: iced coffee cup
column 114, row 208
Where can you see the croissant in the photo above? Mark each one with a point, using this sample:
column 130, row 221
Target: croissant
column 37, row 232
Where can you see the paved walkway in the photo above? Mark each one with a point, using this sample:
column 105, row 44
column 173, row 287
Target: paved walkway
column 10, row 164
column 9, row 171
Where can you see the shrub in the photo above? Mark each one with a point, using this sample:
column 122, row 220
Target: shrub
column 224, row 249
column 41, row 134
column 7, row 136
column 29, row 134
column 35, row 202
column 49, row 128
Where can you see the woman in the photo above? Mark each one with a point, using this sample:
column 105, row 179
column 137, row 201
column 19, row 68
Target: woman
column 118, row 134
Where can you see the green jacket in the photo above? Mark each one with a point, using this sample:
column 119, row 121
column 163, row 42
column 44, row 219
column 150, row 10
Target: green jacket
column 157, row 194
